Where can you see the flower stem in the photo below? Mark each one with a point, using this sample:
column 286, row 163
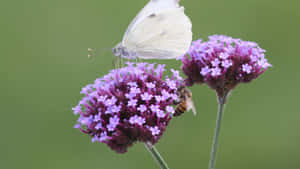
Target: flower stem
column 157, row 157
column 221, row 106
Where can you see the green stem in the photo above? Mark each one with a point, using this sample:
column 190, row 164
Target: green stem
column 221, row 106
column 157, row 157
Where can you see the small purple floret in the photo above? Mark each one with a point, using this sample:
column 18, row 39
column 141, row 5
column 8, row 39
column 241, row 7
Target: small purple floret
column 150, row 85
column 132, row 103
column 160, row 113
column 146, row 96
column 142, row 108
column 137, row 120
column 170, row 109
column 154, row 130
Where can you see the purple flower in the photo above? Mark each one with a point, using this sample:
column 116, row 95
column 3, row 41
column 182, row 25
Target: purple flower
column 116, row 109
column 223, row 63
column 97, row 117
column 165, row 94
column 205, row 70
column 110, row 102
column 86, row 90
column 119, row 109
column 135, row 90
column 215, row 63
column 160, row 69
column 226, row 63
column 137, row 120
column 170, row 109
column 77, row 109
column 176, row 74
column 154, row 130
column 77, row 126
column 247, row 68
column 254, row 58
column 142, row 108
column 215, row 71
column 113, row 122
column 98, row 126
column 150, row 85
column 154, row 108
column 171, row 83
column 160, row 113
column 108, row 110
column 159, row 98
column 102, row 99
column 175, row 97
column 130, row 95
column 132, row 103
column 133, row 84
column 224, row 56
column 85, row 120
column 103, row 136
column 146, row 96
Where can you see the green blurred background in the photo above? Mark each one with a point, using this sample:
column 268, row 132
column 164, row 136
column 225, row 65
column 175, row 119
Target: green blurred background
column 44, row 64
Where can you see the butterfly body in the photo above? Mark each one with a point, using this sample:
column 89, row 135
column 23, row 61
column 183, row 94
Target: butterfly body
column 122, row 51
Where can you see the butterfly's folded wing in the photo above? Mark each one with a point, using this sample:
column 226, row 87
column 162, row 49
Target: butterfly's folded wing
column 162, row 35
column 153, row 6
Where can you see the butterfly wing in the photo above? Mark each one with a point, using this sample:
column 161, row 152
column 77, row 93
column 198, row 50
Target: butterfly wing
column 162, row 35
column 153, row 6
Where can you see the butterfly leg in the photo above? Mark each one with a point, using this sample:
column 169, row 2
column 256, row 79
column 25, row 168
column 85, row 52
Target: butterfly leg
column 116, row 62
column 137, row 60
column 122, row 62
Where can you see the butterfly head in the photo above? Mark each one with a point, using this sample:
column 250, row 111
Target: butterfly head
column 117, row 50
column 122, row 51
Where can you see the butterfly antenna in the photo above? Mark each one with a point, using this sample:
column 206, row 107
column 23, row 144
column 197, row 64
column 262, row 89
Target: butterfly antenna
column 93, row 52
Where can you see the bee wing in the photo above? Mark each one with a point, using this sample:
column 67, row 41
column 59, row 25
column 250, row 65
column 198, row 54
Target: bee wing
column 190, row 105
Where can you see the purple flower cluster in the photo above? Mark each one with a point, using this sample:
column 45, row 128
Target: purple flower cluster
column 127, row 105
column 223, row 62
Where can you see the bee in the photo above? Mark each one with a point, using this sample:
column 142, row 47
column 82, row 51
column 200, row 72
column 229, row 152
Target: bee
column 186, row 103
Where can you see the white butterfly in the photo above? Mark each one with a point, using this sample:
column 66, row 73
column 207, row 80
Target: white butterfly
column 161, row 30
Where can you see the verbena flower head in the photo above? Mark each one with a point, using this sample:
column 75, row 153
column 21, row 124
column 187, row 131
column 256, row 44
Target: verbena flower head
column 223, row 62
column 128, row 105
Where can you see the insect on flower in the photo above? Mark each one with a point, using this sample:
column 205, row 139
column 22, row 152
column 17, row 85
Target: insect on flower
column 186, row 103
